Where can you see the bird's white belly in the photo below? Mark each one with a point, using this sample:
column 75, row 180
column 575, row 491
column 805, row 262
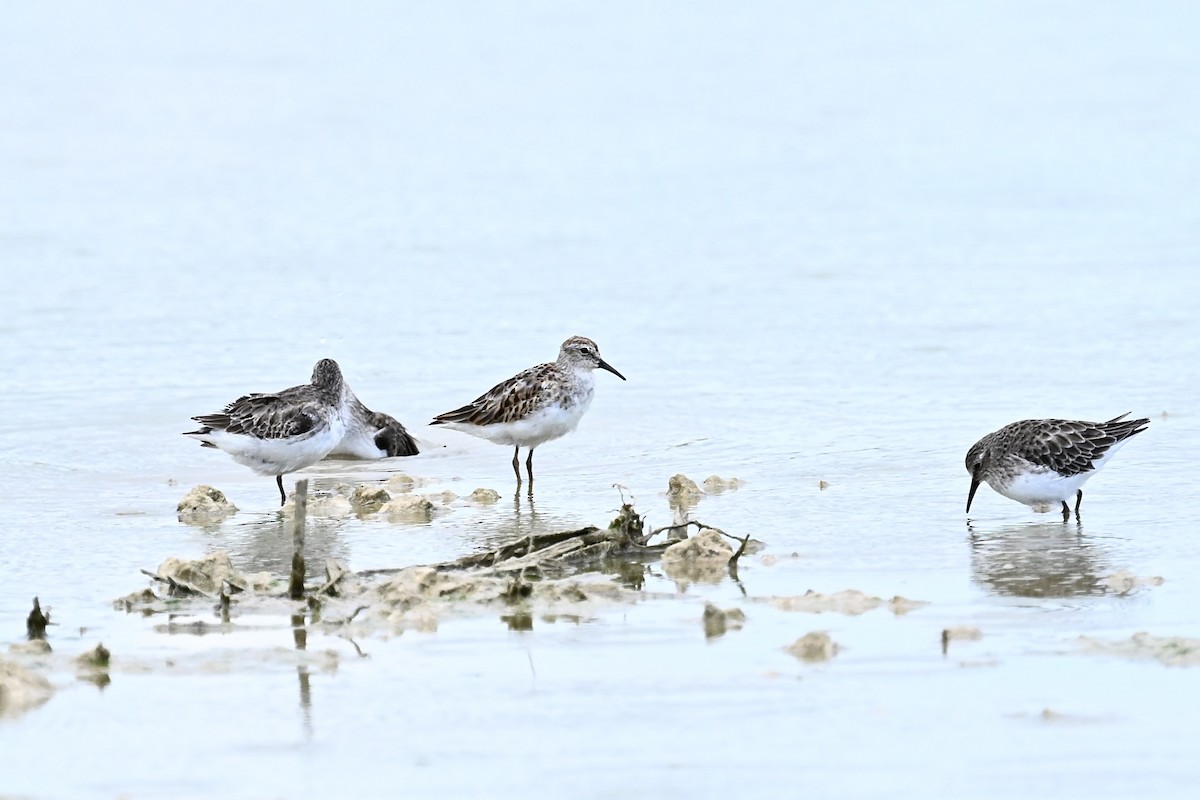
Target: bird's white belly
column 280, row 456
column 541, row 426
column 359, row 442
column 1043, row 490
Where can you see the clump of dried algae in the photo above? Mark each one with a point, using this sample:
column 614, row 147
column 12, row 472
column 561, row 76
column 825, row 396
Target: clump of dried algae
column 207, row 576
column 1123, row 582
column 682, row 491
column 21, row 689
column 718, row 621
column 1173, row 651
column 484, row 496
column 848, row 601
column 204, row 504
column 703, row 558
column 408, row 508
column 369, row 499
column 715, row 484
column 814, row 647
column 418, row 596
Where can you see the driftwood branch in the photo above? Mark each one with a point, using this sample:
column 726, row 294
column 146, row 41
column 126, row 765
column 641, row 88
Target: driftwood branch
column 548, row 550
column 624, row 538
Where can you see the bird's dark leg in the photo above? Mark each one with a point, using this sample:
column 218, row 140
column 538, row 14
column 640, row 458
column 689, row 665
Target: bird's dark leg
column 517, row 464
column 282, row 493
column 1066, row 511
column 1078, row 502
column 529, row 468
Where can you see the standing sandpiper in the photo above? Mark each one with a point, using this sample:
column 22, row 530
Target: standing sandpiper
column 1043, row 462
column 536, row 405
column 281, row 432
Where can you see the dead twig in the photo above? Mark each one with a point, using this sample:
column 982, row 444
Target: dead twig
column 334, row 573
column 745, row 540
column 622, row 490
column 348, row 619
column 687, row 523
column 174, row 587
column 155, row 576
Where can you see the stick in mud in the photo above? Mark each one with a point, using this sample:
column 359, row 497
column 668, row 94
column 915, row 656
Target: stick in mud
column 296, row 583
column 36, row 622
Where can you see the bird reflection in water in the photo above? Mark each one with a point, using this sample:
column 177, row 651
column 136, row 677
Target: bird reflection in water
column 1037, row 560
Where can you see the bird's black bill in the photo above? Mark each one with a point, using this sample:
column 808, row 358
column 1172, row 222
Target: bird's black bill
column 605, row 365
column 971, row 495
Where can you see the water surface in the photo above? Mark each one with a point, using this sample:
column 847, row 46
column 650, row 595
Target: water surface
column 828, row 244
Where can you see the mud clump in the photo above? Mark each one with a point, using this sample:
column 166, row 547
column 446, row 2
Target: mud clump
column 485, row 497
column 21, row 689
column 401, row 483
column 92, row 666
column 851, row 602
column 369, row 499
column 33, row 648
column 198, row 576
column 408, row 508
column 1173, row 651
column 96, row 658
column 707, row 545
column 814, row 647
column 682, row 491
column 321, row 504
column 202, row 576
column 204, row 504
column 703, row 558
column 902, row 605
column 715, row 484
column 329, row 505
column 419, row 596
column 960, row 633
column 1123, row 582
column 717, row 621
column 417, row 586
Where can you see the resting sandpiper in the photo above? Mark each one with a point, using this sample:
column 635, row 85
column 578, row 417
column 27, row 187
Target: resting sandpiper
column 1043, row 462
column 372, row 434
column 536, row 405
column 281, row 432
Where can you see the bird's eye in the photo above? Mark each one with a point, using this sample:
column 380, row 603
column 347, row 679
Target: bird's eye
column 587, row 351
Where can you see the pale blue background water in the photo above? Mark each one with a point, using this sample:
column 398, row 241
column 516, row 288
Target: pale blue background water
column 823, row 243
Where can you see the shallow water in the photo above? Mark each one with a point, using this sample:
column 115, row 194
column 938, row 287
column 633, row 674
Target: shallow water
column 823, row 244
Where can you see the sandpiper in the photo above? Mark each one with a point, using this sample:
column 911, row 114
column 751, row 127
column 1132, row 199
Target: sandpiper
column 536, row 405
column 372, row 434
column 1043, row 462
column 281, row 432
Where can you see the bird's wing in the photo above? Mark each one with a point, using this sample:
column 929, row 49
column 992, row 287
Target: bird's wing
column 508, row 401
column 268, row 416
column 1071, row 447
